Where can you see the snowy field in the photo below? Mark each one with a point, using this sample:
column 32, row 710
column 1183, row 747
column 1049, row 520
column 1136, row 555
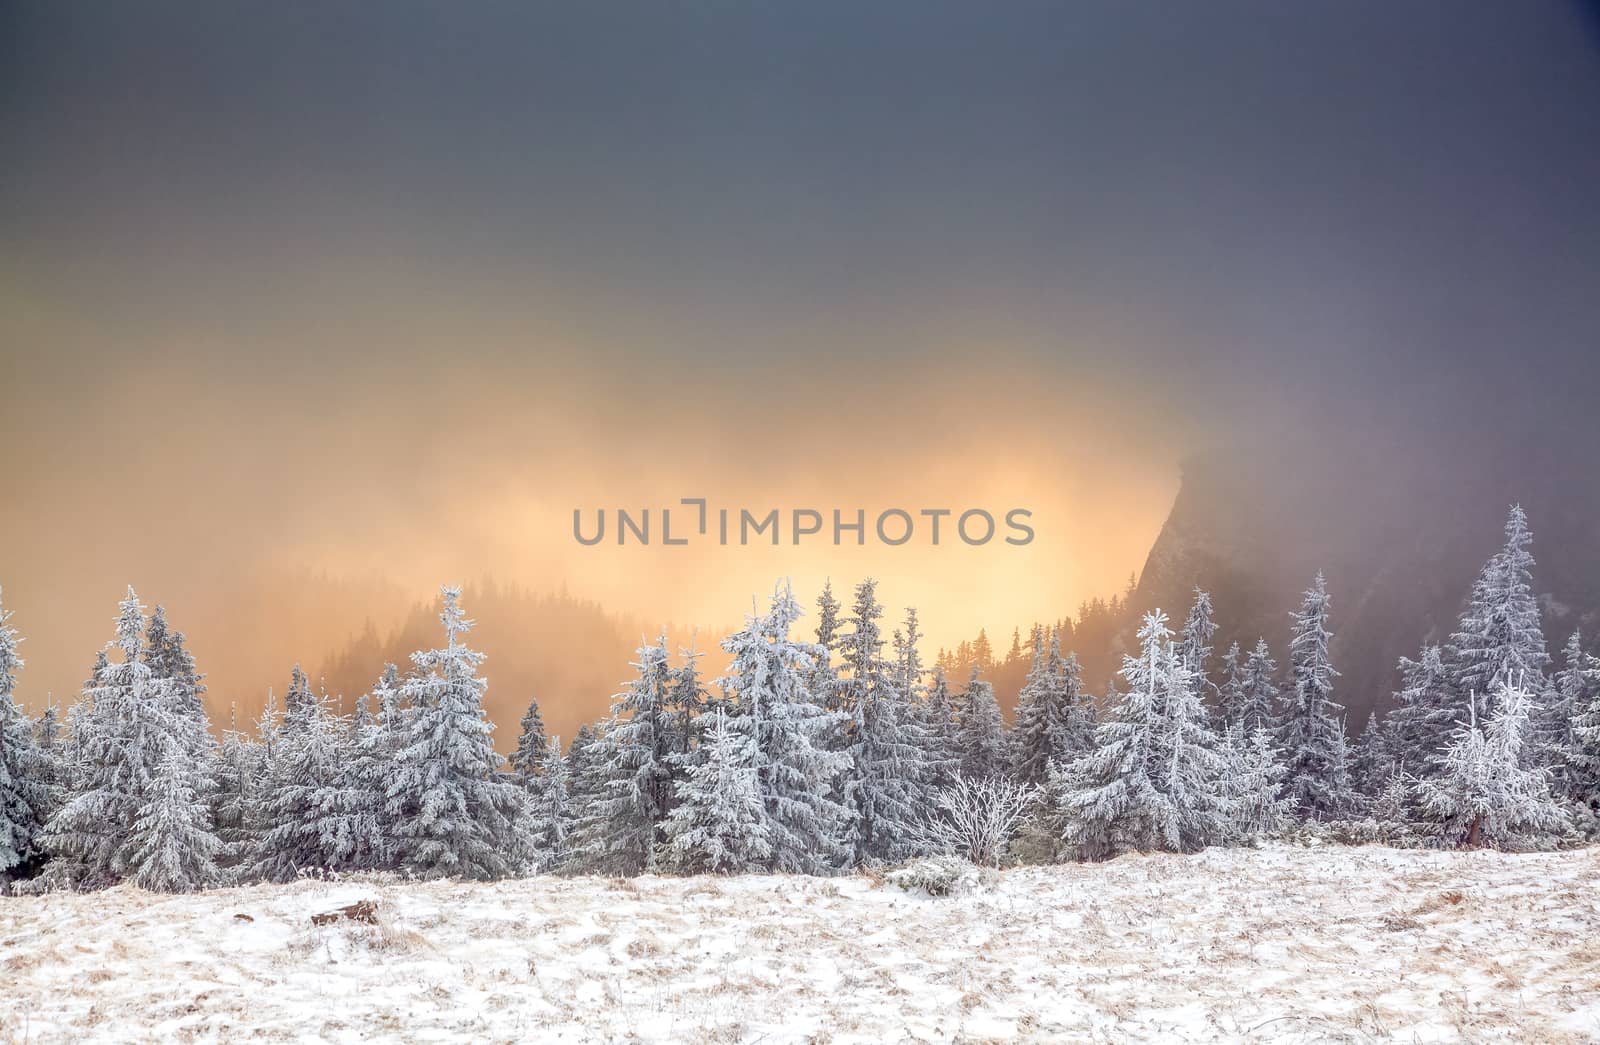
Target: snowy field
column 1279, row 944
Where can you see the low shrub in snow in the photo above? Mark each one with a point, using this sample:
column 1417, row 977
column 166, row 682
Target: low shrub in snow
column 935, row 876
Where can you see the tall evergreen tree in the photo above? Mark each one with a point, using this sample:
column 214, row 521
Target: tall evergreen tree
column 295, row 835
column 451, row 812
column 884, row 742
column 1251, row 785
column 720, row 825
column 1428, row 709
column 1312, row 734
column 1499, row 642
column 980, row 731
column 624, row 829
column 1259, row 700
column 129, row 726
column 551, row 809
column 1194, row 645
column 767, row 682
column 1153, row 780
column 1486, row 794
column 25, row 770
column 527, row 758
column 1230, row 705
column 939, row 733
column 173, row 847
column 1574, row 687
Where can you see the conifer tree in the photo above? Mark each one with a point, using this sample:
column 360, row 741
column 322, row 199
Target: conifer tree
column 1032, row 732
column 172, row 845
column 1259, row 691
column 25, row 770
column 1312, row 734
column 1428, row 709
column 127, row 729
column 939, row 732
column 1499, row 642
column 1486, row 794
column 1252, row 784
column 720, row 825
column 527, row 759
column 767, row 683
column 624, row 827
column 1230, row 705
column 1574, row 772
column 1194, row 645
column 980, row 731
column 884, row 742
column 551, row 809
column 1153, row 779
column 238, row 777
column 294, row 834
column 451, row 813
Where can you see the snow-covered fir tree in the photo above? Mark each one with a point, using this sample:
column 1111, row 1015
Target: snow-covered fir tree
column 1252, row 784
column 1312, row 732
column 168, row 658
column 351, row 809
column 884, row 742
column 550, row 809
column 1372, row 763
column 1485, row 793
column 720, row 825
column 1194, row 643
column 767, row 682
column 173, row 847
column 1427, row 711
column 623, row 828
column 240, row 772
column 586, row 787
column 533, row 744
column 1575, row 769
column 25, row 769
column 450, row 811
column 939, row 731
column 1259, row 699
column 1230, row 693
column 1153, row 780
column 829, row 628
column 980, row 730
column 294, row 832
column 1499, row 641
column 1579, row 683
column 131, row 722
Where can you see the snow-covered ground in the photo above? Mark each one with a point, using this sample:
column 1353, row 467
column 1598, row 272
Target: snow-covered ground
column 1276, row 944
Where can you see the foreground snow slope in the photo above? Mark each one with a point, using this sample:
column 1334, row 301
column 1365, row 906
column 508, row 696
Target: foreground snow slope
column 1277, row 944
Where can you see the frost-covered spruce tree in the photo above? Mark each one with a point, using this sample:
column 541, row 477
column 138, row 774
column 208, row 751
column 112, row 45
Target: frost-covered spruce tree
column 53, row 750
column 883, row 740
column 350, row 811
column 1153, row 781
column 1500, row 638
column 550, row 810
column 939, row 731
column 1580, row 685
column 1252, row 784
column 767, row 681
column 239, row 775
column 1486, row 794
column 1031, row 747
column 828, row 631
column 527, row 758
column 168, row 658
column 689, row 704
column 622, row 829
column 1260, row 698
column 128, row 726
column 720, row 825
column 1576, row 769
column 450, row 810
column 25, row 770
column 585, row 788
column 173, row 848
column 1061, row 728
column 1194, row 643
column 1372, row 763
column 980, row 731
column 1230, row 702
column 1312, row 732
column 294, row 833
column 1427, row 709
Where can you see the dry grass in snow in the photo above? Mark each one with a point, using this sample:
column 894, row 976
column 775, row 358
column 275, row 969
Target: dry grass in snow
column 1278, row 944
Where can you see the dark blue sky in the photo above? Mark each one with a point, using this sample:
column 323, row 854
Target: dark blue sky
column 1263, row 195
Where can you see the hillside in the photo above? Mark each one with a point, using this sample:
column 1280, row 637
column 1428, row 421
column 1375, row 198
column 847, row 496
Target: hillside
column 1278, row 944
